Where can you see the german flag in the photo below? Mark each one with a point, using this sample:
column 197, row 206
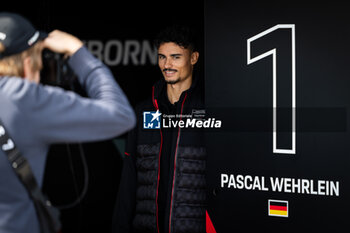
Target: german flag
column 278, row 208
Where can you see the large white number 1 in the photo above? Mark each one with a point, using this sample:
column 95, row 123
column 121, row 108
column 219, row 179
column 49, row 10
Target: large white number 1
column 273, row 53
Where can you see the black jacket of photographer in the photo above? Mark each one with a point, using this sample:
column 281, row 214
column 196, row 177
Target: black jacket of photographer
column 163, row 180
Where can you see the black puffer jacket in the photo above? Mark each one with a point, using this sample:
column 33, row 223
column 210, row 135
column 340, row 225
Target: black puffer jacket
column 163, row 181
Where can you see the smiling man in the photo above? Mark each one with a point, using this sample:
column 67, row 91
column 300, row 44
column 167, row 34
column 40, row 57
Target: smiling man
column 176, row 63
column 163, row 181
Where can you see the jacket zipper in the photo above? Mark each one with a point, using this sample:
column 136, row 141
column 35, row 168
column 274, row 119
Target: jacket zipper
column 175, row 160
column 155, row 103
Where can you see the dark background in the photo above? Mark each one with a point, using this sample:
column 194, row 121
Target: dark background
column 103, row 21
column 244, row 93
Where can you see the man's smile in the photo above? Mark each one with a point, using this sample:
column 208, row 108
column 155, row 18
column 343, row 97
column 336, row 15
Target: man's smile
column 169, row 72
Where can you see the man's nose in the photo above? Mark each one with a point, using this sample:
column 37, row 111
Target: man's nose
column 168, row 64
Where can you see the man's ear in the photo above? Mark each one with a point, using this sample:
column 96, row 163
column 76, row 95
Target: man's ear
column 27, row 67
column 194, row 57
column 29, row 73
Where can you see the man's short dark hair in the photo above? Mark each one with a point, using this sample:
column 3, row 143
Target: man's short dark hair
column 181, row 35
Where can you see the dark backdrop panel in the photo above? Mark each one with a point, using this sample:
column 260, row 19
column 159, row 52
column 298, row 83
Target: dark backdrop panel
column 242, row 96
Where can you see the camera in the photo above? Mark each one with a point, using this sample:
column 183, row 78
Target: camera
column 56, row 71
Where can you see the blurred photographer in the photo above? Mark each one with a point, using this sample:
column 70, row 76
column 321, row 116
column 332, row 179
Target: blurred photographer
column 36, row 116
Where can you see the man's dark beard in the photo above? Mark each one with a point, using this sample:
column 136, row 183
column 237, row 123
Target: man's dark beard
column 172, row 81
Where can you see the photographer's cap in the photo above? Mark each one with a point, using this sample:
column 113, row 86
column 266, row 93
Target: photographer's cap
column 17, row 34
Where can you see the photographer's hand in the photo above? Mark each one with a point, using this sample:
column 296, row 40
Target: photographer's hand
column 62, row 42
